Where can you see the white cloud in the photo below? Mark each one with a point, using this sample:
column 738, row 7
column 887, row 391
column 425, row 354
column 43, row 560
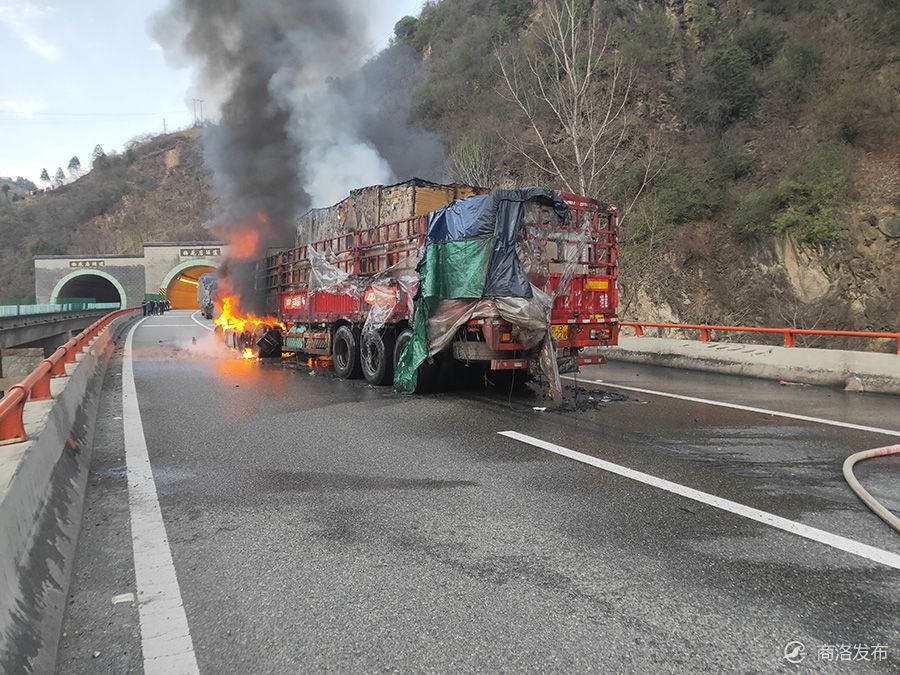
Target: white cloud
column 22, row 18
column 23, row 107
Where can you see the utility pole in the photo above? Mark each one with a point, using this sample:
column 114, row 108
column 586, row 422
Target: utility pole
column 198, row 120
column 165, row 131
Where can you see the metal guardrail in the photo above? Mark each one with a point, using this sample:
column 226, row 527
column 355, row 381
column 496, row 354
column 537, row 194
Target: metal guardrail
column 53, row 308
column 36, row 386
column 788, row 333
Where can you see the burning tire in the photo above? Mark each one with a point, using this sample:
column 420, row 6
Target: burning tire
column 377, row 357
column 345, row 353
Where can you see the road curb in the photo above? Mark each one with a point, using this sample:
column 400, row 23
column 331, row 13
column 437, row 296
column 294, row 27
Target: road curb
column 40, row 512
column 854, row 371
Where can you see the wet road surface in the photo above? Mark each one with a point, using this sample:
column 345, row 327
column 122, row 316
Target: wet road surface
column 323, row 524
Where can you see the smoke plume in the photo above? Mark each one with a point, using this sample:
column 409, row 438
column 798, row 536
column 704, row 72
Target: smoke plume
column 296, row 121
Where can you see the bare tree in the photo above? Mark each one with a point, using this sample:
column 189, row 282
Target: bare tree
column 472, row 162
column 574, row 90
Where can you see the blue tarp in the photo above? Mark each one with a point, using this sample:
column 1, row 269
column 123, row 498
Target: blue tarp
column 500, row 216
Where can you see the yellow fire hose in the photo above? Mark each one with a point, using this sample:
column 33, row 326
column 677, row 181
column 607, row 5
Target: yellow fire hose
column 861, row 492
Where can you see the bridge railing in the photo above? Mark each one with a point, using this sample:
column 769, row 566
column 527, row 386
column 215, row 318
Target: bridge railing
column 787, row 333
column 53, row 308
column 36, row 386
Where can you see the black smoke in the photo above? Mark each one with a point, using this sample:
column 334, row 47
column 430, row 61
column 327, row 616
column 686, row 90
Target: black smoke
column 299, row 117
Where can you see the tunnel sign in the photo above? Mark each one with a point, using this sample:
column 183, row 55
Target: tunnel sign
column 87, row 263
column 199, row 252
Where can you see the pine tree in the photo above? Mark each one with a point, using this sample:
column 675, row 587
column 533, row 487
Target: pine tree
column 75, row 167
column 98, row 157
column 59, row 178
column 45, row 177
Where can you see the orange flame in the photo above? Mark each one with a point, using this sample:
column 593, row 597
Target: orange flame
column 248, row 353
column 231, row 318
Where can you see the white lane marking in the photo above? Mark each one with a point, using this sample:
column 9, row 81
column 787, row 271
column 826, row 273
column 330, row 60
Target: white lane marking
column 836, row 541
column 169, row 325
column 165, row 636
column 748, row 408
column 122, row 597
column 194, row 319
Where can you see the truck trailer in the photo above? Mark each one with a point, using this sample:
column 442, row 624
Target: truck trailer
column 513, row 280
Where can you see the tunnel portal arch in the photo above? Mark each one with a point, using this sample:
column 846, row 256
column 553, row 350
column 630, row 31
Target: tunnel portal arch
column 95, row 284
column 180, row 284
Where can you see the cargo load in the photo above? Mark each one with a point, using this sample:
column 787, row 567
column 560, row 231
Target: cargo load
column 520, row 280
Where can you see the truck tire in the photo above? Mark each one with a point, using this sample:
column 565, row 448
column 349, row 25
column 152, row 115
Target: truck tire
column 377, row 356
column 427, row 376
column 400, row 344
column 345, row 353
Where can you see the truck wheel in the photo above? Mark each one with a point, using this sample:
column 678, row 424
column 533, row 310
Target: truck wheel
column 377, row 357
column 345, row 353
column 400, row 344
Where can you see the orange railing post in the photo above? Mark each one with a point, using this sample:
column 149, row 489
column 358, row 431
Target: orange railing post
column 40, row 384
column 788, row 339
column 704, row 335
column 58, row 361
column 36, row 386
column 12, row 409
column 638, row 330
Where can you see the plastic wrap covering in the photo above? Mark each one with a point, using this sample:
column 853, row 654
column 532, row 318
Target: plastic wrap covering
column 379, row 291
column 479, row 261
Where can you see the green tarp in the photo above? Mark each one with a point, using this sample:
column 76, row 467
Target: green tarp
column 451, row 270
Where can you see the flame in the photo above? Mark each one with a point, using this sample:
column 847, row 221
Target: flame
column 231, row 318
column 243, row 245
column 248, row 353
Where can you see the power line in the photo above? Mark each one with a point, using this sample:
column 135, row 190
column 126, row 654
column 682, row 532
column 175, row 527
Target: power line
column 28, row 115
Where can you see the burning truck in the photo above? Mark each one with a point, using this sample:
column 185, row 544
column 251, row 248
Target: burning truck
column 520, row 279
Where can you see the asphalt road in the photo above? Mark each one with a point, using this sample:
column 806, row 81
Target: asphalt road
column 318, row 524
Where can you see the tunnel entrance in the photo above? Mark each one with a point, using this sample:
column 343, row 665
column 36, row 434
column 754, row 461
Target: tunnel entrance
column 89, row 286
column 182, row 289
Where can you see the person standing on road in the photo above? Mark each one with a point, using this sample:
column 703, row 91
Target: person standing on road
column 144, row 307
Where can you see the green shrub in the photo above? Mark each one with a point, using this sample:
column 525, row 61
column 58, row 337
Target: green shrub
column 755, row 212
column 685, row 193
column 796, row 70
column 759, row 40
column 858, row 110
column 731, row 163
column 725, row 91
column 811, row 197
column 648, row 40
column 405, row 29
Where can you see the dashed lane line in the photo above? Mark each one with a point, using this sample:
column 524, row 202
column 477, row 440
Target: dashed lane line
column 835, row 541
column 737, row 406
column 165, row 637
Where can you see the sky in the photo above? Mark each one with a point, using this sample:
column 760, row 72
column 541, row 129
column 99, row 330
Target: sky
column 78, row 73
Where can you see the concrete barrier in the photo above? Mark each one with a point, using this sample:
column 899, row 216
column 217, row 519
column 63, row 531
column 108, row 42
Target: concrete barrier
column 42, row 488
column 856, row 371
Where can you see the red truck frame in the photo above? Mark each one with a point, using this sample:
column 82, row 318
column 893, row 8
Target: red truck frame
column 327, row 324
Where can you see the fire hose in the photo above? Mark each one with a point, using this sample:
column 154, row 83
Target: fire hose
column 861, row 492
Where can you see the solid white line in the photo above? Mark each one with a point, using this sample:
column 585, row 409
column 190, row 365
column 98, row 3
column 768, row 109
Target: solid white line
column 836, row 541
column 165, row 636
column 170, row 325
column 737, row 406
column 194, row 319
